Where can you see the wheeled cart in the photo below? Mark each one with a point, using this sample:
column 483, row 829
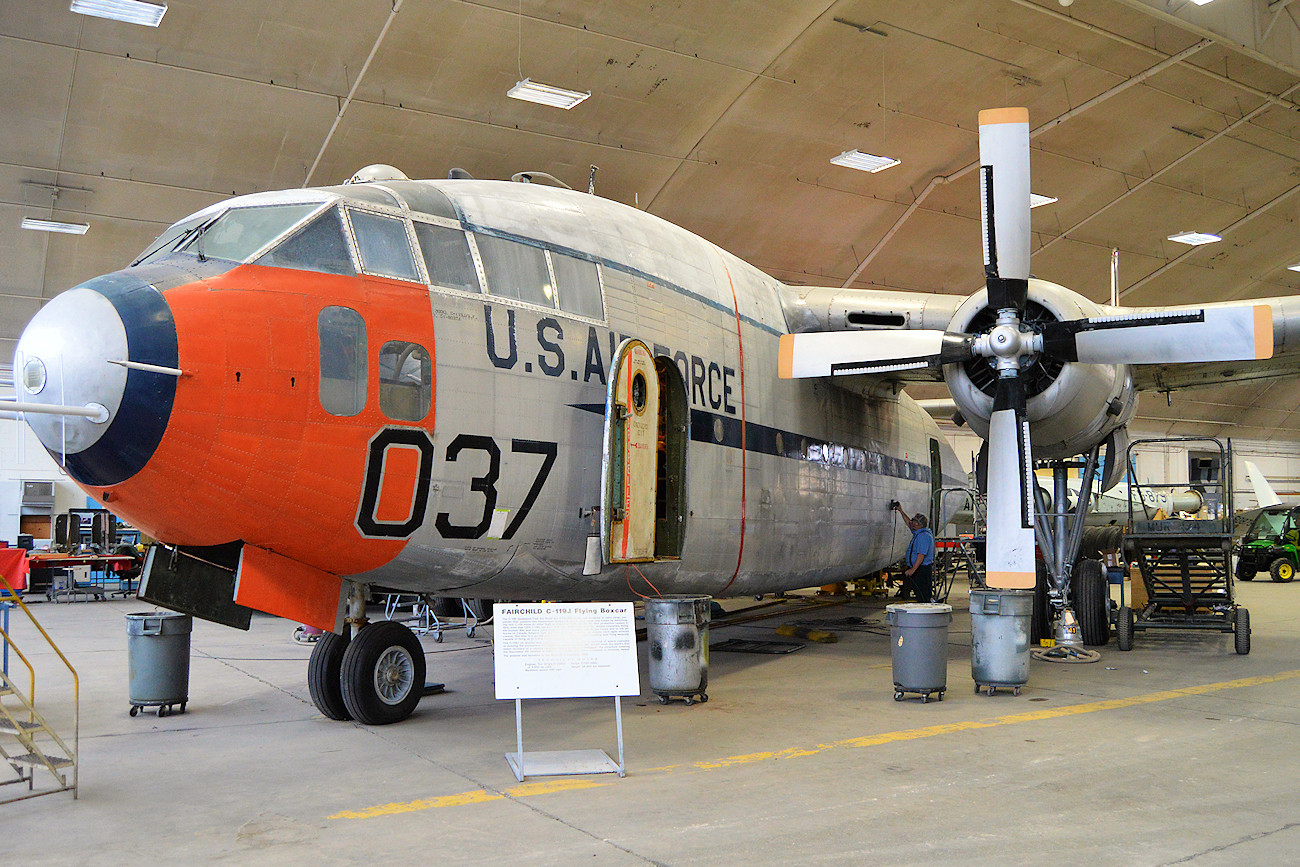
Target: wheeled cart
column 1184, row 563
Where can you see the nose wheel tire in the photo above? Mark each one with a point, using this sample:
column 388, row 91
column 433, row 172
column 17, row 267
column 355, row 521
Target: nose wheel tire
column 382, row 677
column 324, row 672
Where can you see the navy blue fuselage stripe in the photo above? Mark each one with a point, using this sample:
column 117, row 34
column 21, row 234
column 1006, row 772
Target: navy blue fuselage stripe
column 765, row 440
column 141, row 418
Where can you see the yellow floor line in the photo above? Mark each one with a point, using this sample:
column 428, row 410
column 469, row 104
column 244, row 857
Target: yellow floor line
column 552, row 786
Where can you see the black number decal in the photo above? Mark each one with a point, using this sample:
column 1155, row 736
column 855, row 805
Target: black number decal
column 379, row 447
column 485, row 484
column 536, row 448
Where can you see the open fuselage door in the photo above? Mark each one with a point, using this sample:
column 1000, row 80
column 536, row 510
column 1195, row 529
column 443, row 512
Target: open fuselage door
column 631, row 451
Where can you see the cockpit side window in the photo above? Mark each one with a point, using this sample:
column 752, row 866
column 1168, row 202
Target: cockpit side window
column 321, row 246
column 342, row 334
column 384, row 245
column 447, row 257
column 240, row 232
column 405, row 381
column 516, row 270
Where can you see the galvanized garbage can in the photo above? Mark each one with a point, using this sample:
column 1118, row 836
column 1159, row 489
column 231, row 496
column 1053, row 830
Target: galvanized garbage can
column 677, row 630
column 158, row 658
column 918, row 639
column 999, row 630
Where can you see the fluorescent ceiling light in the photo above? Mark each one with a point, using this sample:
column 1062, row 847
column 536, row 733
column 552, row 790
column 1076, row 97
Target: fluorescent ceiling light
column 1295, row 267
column 1036, row 200
column 1202, row 2
column 55, row 226
column 535, row 91
column 130, row 11
column 1195, row 238
column 864, row 162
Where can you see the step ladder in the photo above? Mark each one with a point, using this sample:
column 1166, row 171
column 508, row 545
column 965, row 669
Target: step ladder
column 42, row 762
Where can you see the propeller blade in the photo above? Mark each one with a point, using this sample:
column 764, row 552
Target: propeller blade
column 1004, row 204
column 1235, row 333
column 1010, row 557
column 844, row 353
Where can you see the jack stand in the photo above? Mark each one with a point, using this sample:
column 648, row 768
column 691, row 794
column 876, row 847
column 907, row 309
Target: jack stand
column 1069, row 646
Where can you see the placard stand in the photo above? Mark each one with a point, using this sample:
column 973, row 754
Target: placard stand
column 564, row 650
column 555, row 763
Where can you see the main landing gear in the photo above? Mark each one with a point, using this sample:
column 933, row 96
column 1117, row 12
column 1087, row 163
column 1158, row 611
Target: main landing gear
column 376, row 678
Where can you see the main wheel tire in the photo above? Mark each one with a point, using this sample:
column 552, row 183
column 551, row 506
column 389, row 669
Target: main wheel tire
column 1241, row 631
column 1092, row 603
column 1124, row 628
column 1281, row 570
column 324, row 676
column 383, row 673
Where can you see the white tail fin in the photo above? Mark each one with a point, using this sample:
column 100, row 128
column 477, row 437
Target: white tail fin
column 1263, row 490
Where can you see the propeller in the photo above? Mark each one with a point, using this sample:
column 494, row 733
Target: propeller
column 1171, row 335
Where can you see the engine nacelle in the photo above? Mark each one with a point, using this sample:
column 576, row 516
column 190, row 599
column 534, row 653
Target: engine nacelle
column 1071, row 406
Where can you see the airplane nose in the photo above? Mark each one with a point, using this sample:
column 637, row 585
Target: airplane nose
column 85, row 348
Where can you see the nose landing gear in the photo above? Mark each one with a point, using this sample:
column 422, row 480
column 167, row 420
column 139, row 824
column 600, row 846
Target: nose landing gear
column 377, row 678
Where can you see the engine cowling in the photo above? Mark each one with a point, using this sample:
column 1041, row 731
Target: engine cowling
column 1071, row 406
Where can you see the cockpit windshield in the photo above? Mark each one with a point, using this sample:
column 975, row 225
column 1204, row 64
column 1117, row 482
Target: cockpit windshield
column 241, row 232
column 233, row 234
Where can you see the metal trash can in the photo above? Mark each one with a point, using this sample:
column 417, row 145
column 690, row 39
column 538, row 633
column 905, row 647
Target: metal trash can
column 1000, row 622
column 158, row 659
column 677, row 629
column 918, row 639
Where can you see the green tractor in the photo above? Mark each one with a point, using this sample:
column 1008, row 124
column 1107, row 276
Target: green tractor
column 1270, row 545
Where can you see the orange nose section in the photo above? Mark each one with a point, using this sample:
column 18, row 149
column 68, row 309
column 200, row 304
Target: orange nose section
column 249, row 453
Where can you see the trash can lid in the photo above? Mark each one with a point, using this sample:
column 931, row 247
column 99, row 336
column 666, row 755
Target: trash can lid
column 920, row 607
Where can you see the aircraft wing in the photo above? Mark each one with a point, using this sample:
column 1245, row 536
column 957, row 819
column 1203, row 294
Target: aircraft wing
column 819, row 309
column 810, row 309
column 1284, row 362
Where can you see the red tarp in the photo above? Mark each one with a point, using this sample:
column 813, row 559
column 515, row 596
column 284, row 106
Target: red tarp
column 13, row 566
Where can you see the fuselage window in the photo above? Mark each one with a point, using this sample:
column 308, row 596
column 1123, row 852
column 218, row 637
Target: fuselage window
column 342, row 334
column 321, row 245
column 447, row 257
column 384, row 246
column 241, row 232
column 579, row 285
column 405, row 381
column 516, row 270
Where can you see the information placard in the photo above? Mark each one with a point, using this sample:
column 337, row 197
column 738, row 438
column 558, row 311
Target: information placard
column 564, row 650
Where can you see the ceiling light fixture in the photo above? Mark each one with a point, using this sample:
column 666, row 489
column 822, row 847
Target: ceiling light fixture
column 130, row 11
column 855, row 159
column 1202, row 2
column 1195, row 239
column 1036, row 200
column 535, row 91
column 1295, row 267
column 54, row 226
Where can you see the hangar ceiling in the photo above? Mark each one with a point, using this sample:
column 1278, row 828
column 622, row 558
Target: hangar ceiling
column 1150, row 117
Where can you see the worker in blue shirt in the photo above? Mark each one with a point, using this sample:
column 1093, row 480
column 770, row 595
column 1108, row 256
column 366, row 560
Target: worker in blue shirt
column 918, row 575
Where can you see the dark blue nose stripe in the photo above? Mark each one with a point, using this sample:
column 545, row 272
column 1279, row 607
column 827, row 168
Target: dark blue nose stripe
column 136, row 430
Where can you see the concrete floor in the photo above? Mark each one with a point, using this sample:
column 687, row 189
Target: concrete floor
column 1177, row 752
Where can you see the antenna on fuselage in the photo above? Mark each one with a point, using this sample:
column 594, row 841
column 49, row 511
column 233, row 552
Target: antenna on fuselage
column 459, row 175
column 591, row 181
